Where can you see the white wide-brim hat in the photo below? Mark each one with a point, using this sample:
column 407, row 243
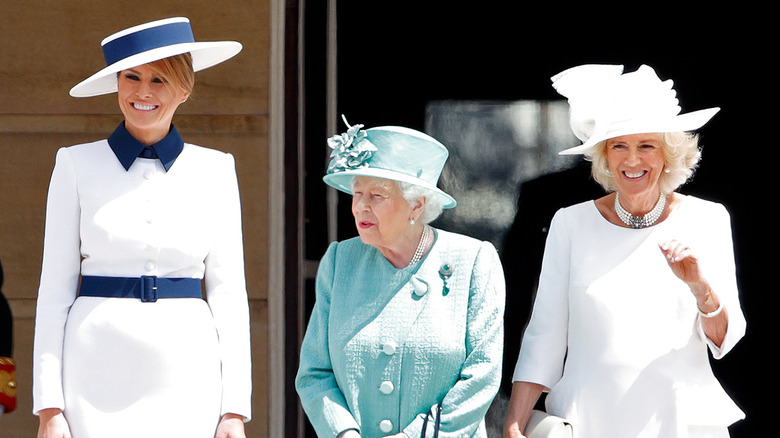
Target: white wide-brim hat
column 606, row 103
column 390, row 152
column 150, row 42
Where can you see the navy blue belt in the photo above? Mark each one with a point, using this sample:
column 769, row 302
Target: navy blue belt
column 146, row 288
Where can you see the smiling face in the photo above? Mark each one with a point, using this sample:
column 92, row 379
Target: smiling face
column 636, row 163
column 148, row 103
column 381, row 212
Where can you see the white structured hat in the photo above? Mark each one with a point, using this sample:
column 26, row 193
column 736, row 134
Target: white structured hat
column 150, row 42
column 605, row 103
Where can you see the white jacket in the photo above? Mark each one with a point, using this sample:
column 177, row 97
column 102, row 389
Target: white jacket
column 104, row 220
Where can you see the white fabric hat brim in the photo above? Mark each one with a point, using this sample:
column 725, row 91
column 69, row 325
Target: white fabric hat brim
column 204, row 55
column 681, row 123
column 343, row 181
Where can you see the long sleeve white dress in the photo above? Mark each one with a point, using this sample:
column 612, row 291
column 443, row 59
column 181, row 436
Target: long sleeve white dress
column 119, row 367
column 617, row 337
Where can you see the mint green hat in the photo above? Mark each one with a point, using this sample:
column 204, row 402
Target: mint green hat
column 390, row 152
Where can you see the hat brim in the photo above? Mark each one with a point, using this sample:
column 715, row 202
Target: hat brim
column 204, row 55
column 681, row 123
column 343, row 182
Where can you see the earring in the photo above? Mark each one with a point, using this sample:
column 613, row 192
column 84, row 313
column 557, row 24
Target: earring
column 411, row 221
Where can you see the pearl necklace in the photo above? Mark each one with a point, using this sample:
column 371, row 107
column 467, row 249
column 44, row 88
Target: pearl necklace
column 640, row 221
column 418, row 253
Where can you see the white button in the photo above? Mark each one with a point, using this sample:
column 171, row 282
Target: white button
column 148, row 174
column 386, row 426
column 389, row 348
column 386, row 387
column 149, row 266
column 420, row 287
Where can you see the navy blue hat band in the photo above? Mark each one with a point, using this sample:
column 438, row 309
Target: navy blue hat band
column 147, row 39
column 149, row 42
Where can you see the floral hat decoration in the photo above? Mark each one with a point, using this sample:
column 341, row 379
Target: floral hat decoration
column 390, row 152
column 605, row 103
column 150, row 42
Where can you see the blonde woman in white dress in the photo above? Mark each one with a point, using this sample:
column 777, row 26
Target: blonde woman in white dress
column 137, row 226
column 635, row 286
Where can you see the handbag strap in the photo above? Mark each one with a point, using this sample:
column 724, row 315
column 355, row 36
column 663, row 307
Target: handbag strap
column 425, row 424
column 438, row 420
column 435, row 425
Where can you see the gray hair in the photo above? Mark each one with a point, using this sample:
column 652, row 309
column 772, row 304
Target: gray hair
column 434, row 204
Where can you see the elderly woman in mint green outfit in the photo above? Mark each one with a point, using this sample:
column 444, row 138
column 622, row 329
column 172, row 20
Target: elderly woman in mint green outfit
column 406, row 332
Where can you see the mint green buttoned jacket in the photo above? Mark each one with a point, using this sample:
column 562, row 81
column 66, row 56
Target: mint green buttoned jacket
column 386, row 346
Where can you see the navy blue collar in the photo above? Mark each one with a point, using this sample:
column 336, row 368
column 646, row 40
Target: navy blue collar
column 127, row 148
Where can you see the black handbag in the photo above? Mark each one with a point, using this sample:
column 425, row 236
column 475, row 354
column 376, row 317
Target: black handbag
column 435, row 423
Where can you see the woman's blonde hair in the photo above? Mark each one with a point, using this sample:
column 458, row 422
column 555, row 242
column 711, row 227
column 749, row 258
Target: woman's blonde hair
column 177, row 71
column 681, row 157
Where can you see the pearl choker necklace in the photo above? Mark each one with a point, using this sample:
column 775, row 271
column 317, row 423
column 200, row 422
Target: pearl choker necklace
column 418, row 253
column 640, row 221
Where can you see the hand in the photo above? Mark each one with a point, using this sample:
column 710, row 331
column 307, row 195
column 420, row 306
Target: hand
column 521, row 403
column 231, row 426
column 685, row 265
column 513, row 432
column 52, row 424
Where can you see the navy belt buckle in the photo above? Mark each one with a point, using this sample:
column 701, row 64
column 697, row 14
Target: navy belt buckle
column 148, row 288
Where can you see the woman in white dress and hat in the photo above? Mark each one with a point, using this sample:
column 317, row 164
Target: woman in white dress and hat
column 138, row 227
column 637, row 285
column 406, row 334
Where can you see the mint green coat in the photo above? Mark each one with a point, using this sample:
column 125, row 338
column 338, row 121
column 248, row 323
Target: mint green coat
column 384, row 346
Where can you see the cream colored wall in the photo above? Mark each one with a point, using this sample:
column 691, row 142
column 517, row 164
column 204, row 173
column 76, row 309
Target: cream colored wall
column 48, row 46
